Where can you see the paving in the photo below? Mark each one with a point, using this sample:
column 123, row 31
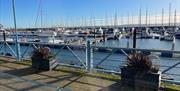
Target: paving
column 40, row 81
column 21, row 77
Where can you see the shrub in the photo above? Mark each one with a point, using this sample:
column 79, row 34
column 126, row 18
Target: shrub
column 139, row 63
column 42, row 52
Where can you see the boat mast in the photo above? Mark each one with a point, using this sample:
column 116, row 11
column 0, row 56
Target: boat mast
column 115, row 20
column 140, row 20
column 146, row 17
column 169, row 14
column 175, row 20
column 122, row 21
column 132, row 21
column 0, row 15
column 106, row 21
column 128, row 20
column 155, row 19
column 162, row 20
column 41, row 14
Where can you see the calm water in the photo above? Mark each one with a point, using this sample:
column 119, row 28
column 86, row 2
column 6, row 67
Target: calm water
column 143, row 43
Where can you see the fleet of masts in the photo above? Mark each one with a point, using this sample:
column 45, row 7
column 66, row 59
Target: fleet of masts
column 117, row 25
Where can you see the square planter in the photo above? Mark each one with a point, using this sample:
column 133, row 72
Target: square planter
column 44, row 64
column 148, row 82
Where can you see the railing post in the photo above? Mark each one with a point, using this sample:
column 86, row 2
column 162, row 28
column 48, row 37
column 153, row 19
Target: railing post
column 89, row 57
column 4, row 43
column 18, row 53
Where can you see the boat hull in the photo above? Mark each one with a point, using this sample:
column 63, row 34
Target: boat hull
column 177, row 36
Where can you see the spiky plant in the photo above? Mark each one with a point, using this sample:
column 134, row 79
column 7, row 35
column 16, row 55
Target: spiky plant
column 42, row 52
column 139, row 63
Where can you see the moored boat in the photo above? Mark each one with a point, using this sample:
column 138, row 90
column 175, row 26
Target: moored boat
column 177, row 35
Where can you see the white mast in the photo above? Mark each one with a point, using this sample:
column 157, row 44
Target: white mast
column 175, row 21
column 106, row 20
column 169, row 14
column 122, row 21
column 115, row 20
column 162, row 20
column 175, row 18
column 128, row 19
column 155, row 19
column 132, row 21
column 146, row 17
column 140, row 17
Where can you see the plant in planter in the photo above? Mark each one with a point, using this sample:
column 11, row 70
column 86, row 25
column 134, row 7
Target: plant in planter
column 43, row 59
column 140, row 73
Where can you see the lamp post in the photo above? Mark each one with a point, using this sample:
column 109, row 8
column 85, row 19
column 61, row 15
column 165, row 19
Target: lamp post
column 17, row 43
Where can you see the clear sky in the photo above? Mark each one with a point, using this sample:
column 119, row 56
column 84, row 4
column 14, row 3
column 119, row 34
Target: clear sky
column 58, row 12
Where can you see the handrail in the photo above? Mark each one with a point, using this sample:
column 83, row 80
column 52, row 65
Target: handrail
column 88, row 61
column 137, row 49
column 39, row 43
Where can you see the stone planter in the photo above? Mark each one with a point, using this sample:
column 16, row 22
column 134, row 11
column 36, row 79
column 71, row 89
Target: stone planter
column 147, row 82
column 44, row 64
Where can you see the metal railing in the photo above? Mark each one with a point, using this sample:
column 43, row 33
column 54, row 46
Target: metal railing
column 99, row 58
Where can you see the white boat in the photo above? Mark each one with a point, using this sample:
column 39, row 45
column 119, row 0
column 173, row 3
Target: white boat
column 7, row 39
column 3, row 30
column 48, row 36
column 167, row 37
column 155, row 35
column 177, row 34
column 46, row 33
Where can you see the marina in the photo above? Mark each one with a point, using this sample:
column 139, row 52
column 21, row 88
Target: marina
column 133, row 52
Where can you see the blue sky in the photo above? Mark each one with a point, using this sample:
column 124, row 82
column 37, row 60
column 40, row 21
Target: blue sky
column 57, row 12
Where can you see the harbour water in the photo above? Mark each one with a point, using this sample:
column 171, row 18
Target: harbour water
column 143, row 44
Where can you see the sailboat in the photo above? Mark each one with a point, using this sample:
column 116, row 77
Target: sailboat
column 167, row 36
column 177, row 34
column 7, row 33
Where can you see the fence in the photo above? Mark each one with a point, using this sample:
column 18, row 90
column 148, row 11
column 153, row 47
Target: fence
column 99, row 58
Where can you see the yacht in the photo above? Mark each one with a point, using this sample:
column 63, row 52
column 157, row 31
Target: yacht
column 48, row 36
column 46, row 33
column 167, row 37
column 177, row 34
column 6, row 34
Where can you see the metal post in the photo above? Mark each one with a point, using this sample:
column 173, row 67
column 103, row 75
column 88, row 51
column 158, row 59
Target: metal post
column 17, row 43
column 89, row 57
column 4, row 44
column 134, row 38
column 173, row 43
column 128, row 43
column 104, row 35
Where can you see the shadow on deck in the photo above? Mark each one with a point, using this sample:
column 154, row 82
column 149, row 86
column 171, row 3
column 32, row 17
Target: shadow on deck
column 61, row 78
column 68, row 79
